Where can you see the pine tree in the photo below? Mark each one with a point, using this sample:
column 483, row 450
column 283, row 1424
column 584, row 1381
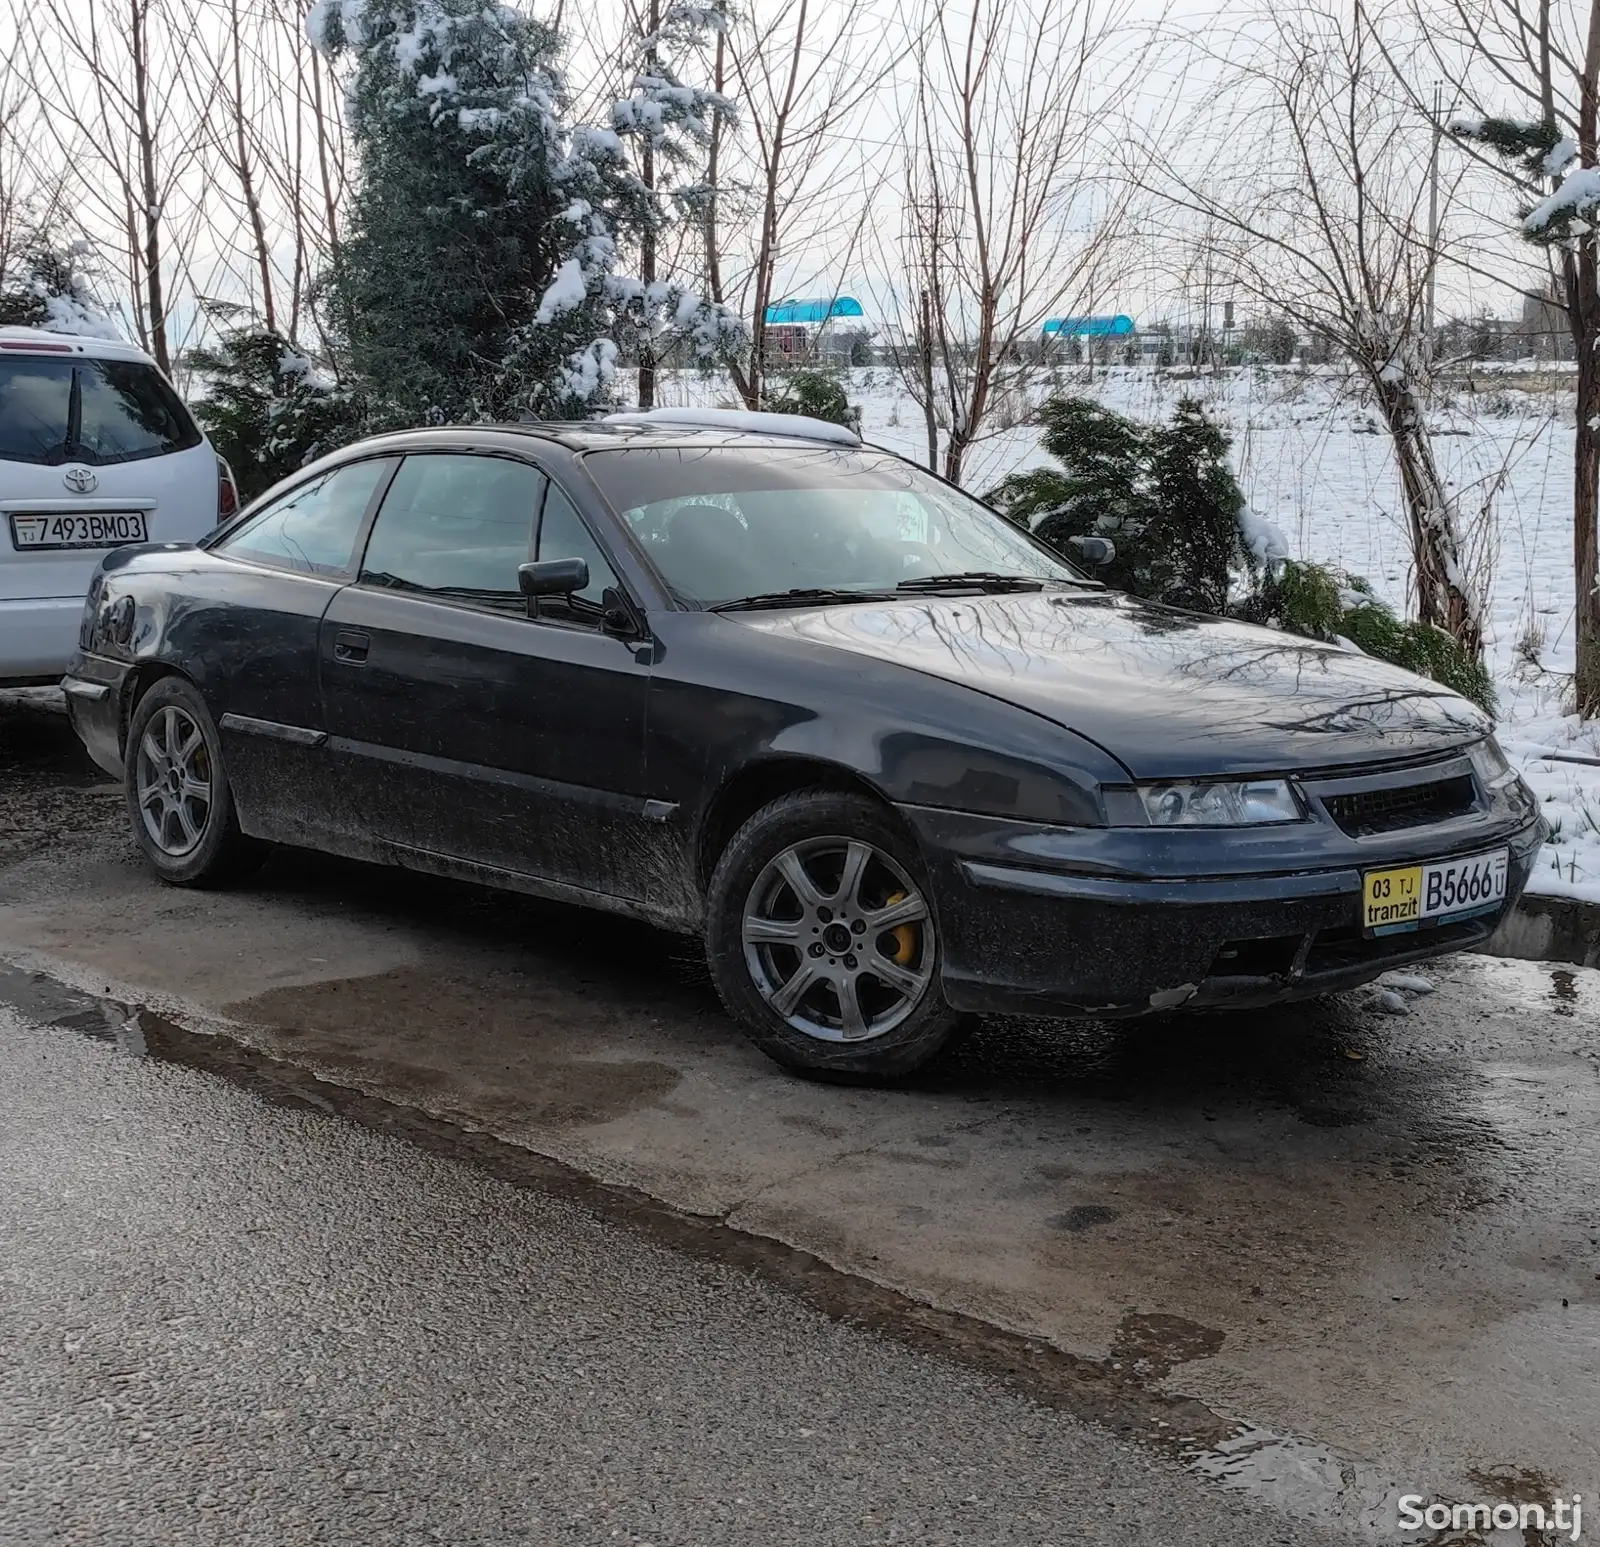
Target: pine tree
column 47, row 284
column 1163, row 494
column 665, row 121
column 1198, row 503
column 268, row 409
column 478, row 277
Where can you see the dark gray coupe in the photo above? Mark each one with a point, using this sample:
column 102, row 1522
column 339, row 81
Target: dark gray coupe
column 893, row 759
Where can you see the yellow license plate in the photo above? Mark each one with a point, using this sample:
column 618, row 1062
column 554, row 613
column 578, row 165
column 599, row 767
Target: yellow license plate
column 1439, row 891
column 1392, row 897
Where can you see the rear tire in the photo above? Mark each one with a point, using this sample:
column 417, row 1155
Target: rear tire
column 176, row 787
column 822, row 941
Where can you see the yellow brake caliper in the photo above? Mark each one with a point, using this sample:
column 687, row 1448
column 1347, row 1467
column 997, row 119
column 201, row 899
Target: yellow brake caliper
column 905, row 936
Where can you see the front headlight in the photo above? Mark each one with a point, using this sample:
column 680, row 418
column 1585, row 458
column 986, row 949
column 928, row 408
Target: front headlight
column 1228, row 803
column 1490, row 765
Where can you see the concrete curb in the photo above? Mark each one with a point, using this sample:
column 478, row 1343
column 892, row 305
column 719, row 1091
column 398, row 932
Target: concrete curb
column 1549, row 929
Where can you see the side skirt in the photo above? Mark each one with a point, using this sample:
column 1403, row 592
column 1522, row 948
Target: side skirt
column 428, row 862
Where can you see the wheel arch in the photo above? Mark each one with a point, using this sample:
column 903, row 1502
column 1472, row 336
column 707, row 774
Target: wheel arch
column 750, row 788
column 138, row 683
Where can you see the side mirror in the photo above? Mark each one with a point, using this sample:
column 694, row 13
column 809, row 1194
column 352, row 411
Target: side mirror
column 552, row 577
column 1094, row 550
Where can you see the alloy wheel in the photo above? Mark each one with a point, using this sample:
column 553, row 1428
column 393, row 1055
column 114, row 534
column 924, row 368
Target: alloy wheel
column 173, row 777
column 838, row 939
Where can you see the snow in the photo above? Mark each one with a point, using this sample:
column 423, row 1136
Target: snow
column 321, row 31
column 741, row 419
column 1562, row 154
column 444, row 84
column 1311, row 464
column 590, row 141
column 1411, row 982
column 1579, row 195
column 569, row 289
column 1263, row 539
column 67, row 315
column 591, row 370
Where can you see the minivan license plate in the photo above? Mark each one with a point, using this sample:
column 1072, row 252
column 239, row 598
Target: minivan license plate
column 1414, row 895
column 101, row 529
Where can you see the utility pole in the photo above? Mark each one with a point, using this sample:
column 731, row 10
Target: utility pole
column 1433, row 214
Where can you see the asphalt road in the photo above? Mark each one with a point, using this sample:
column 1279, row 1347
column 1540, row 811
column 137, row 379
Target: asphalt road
column 227, row 1321
column 1327, row 1256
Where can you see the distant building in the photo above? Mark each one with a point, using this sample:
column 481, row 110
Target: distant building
column 1542, row 332
column 829, row 331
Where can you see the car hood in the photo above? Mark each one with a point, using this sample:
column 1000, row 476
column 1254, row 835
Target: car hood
column 1170, row 694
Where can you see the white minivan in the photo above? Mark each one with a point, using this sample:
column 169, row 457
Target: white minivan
column 96, row 451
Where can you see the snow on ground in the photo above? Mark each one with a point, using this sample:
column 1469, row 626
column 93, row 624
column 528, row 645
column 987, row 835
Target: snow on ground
column 1316, row 463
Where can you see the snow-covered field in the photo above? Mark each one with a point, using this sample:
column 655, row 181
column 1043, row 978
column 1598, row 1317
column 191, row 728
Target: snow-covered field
column 1314, row 461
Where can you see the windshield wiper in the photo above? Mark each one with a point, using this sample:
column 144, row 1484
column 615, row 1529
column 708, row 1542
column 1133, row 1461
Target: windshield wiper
column 983, row 580
column 798, row 597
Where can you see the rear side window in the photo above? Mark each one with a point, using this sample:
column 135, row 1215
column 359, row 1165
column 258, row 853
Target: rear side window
column 313, row 527
column 96, row 411
column 457, row 528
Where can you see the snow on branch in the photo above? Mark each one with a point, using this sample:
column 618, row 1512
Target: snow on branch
column 566, row 292
column 1537, row 146
column 1569, row 211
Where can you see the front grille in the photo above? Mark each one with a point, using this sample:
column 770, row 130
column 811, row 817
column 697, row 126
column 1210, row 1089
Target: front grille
column 1364, row 812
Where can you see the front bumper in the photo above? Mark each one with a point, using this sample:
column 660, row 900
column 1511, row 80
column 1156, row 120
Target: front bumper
column 1074, row 935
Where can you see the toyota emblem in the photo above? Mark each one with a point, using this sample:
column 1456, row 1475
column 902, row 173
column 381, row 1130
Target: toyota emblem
column 80, row 480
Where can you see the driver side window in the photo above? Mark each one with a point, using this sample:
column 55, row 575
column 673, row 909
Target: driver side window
column 455, row 527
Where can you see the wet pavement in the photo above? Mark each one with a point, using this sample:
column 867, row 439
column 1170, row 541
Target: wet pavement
column 1325, row 1256
column 246, row 1324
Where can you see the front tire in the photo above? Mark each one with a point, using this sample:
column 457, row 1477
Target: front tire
column 179, row 801
column 822, row 941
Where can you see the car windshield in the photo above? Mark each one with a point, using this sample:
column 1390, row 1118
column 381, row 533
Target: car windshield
column 724, row 524
column 85, row 410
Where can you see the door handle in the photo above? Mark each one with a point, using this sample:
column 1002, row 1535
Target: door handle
column 351, row 647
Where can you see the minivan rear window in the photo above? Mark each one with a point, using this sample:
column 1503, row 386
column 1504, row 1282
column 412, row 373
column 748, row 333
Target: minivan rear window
column 94, row 411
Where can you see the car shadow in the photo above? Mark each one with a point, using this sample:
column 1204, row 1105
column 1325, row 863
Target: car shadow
column 1314, row 1059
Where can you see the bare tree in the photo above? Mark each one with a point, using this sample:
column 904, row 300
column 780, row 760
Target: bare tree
column 109, row 72
column 1523, row 78
column 28, row 193
column 794, row 178
column 1006, row 218
column 232, row 81
column 1316, row 195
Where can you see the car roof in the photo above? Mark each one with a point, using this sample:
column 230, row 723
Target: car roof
column 597, row 435
column 15, row 340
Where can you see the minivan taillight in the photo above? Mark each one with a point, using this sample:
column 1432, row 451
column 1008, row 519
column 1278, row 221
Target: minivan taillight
column 227, row 492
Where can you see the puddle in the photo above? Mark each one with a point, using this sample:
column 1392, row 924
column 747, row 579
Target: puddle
column 1152, row 1343
column 1315, row 1482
